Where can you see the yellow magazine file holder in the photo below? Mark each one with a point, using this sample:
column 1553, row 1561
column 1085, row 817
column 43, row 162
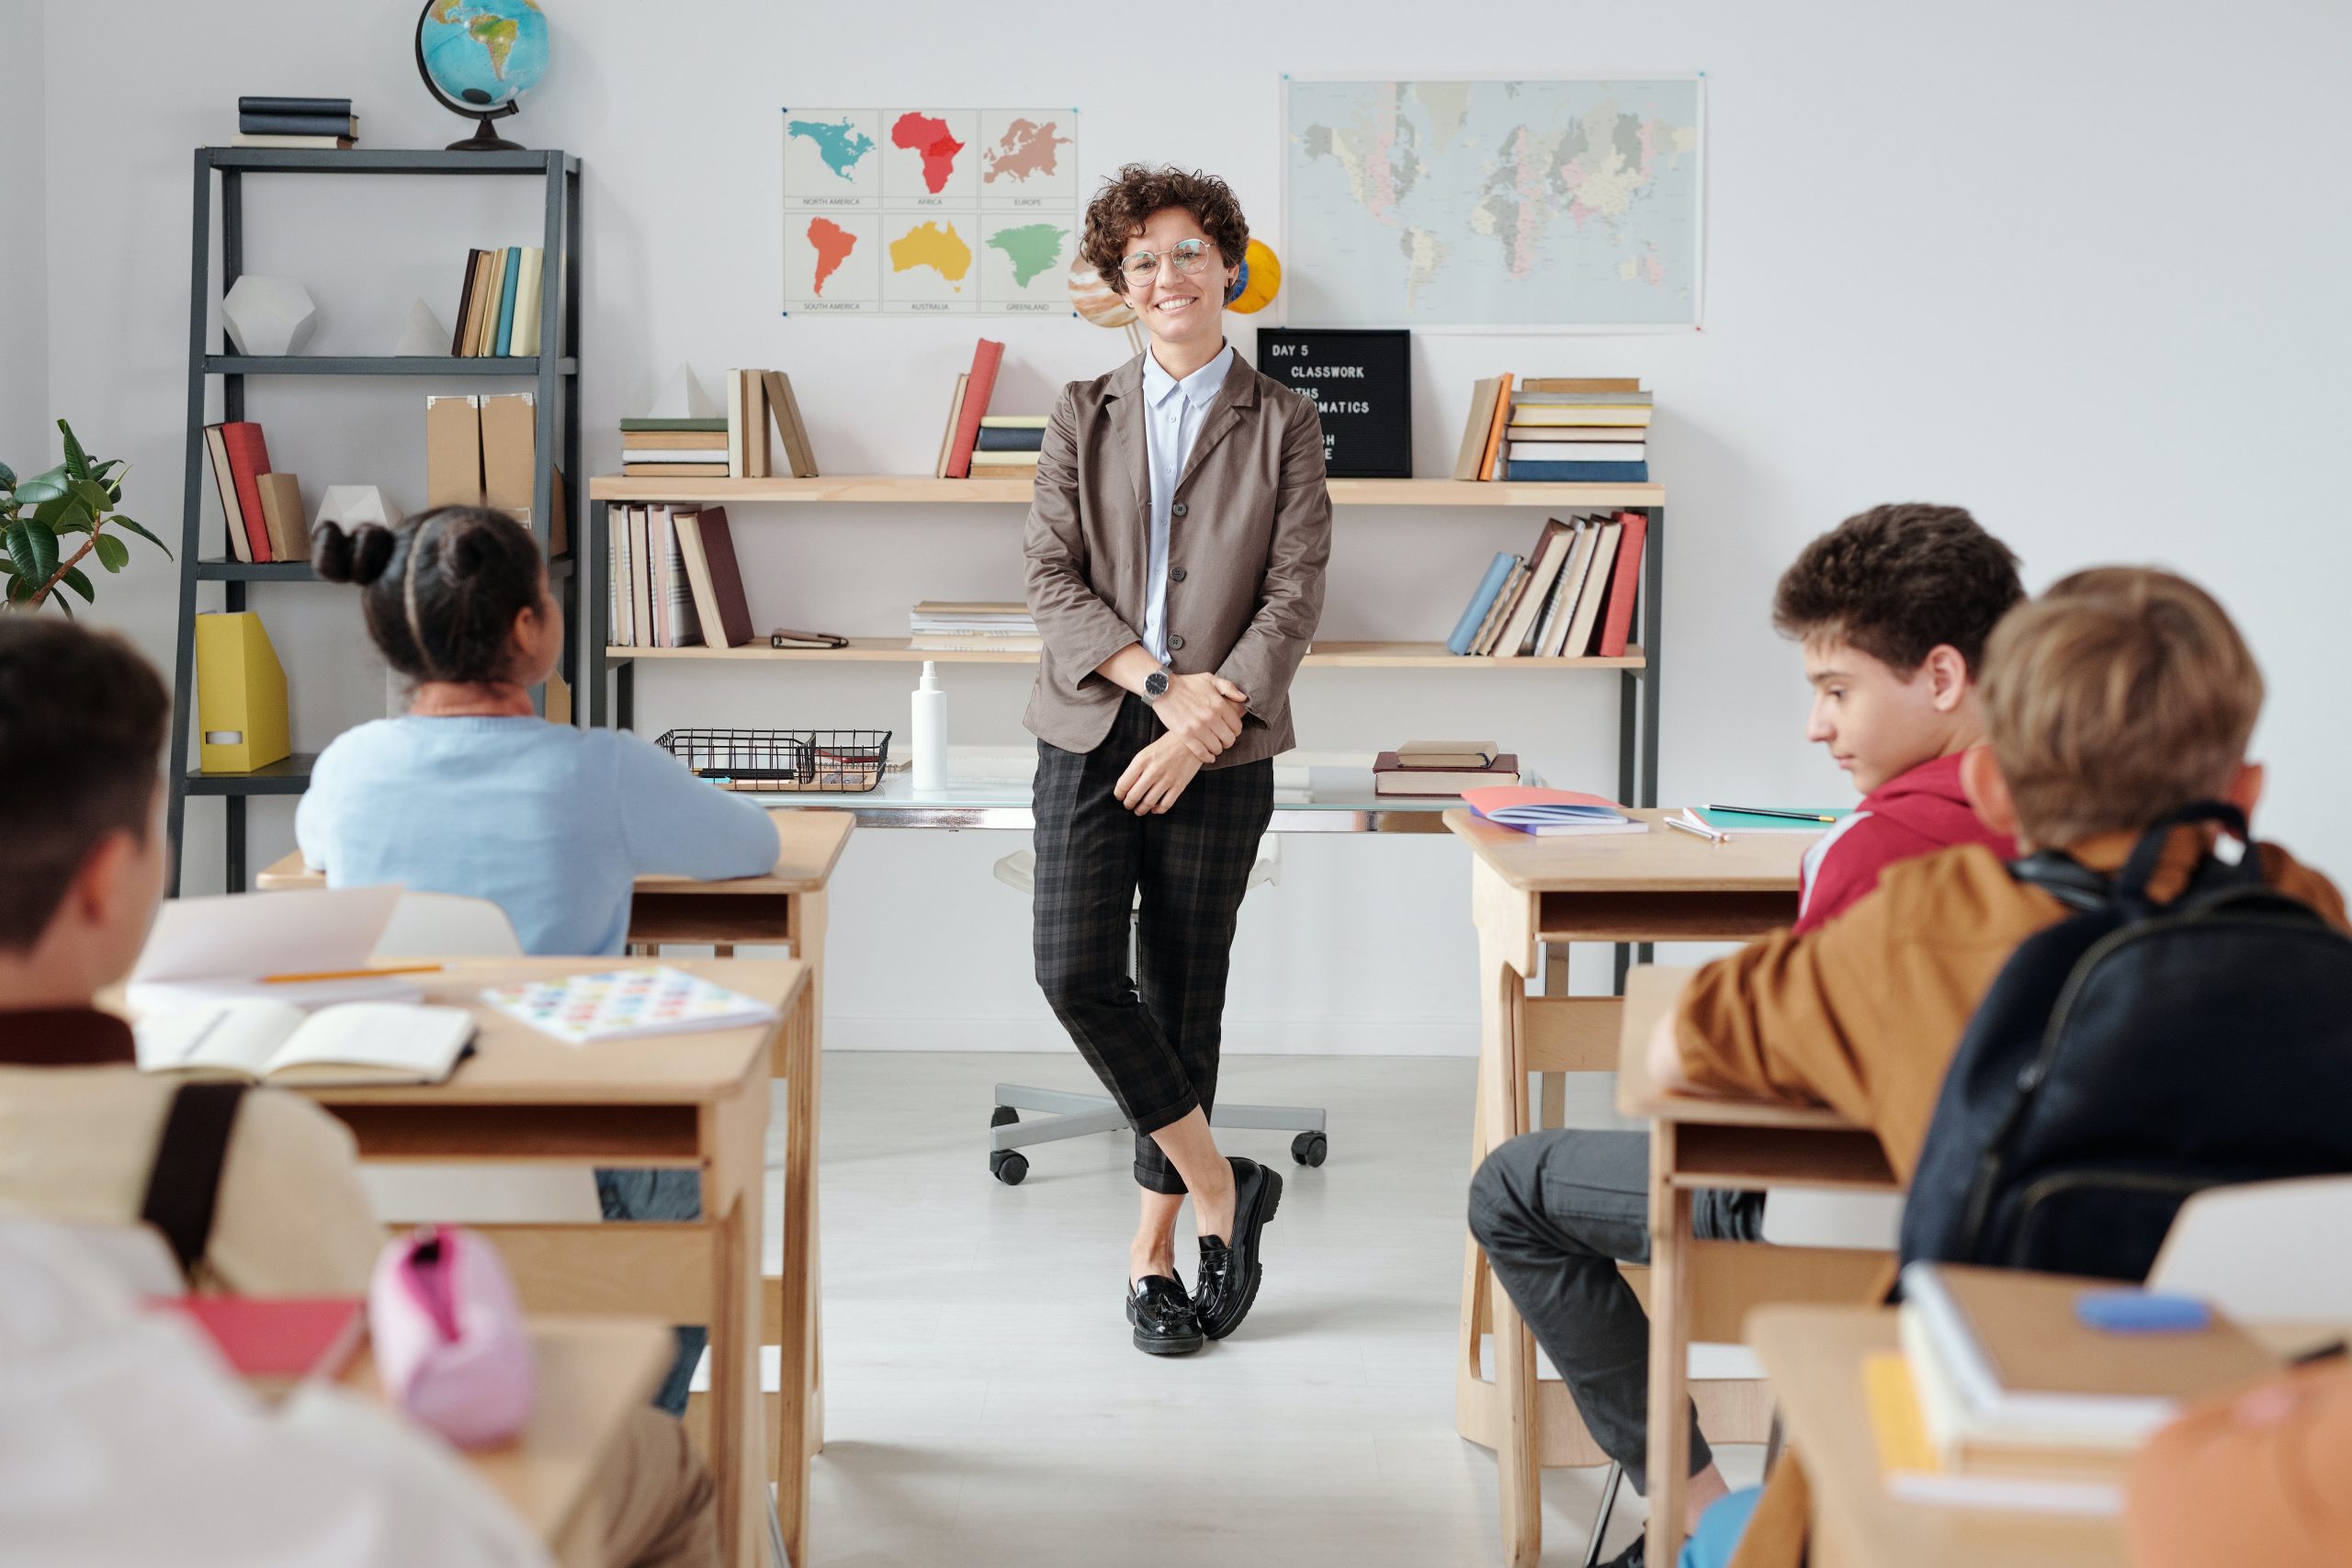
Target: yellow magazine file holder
column 239, row 694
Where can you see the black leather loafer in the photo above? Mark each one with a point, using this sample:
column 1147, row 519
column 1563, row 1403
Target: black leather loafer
column 1229, row 1274
column 1163, row 1318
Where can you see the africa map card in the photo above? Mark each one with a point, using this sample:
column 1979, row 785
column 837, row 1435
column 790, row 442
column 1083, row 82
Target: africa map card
column 929, row 211
column 625, row 1004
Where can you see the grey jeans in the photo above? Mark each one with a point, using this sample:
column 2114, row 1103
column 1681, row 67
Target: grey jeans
column 1556, row 1211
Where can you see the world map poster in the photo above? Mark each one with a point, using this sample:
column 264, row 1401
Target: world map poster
column 1494, row 203
column 929, row 211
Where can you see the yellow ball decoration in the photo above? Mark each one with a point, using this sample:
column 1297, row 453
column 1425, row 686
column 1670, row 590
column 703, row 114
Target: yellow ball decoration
column 1265, row 277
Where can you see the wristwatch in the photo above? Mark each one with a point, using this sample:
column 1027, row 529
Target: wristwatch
column 1154, row 685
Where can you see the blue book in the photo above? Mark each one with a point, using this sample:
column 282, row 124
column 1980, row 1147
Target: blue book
column 1579, row 473
column 1011, row 440
column 1466, row 630
column 505, row 344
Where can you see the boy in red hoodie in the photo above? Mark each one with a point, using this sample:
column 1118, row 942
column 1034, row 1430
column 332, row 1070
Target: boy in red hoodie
column 1893, row 607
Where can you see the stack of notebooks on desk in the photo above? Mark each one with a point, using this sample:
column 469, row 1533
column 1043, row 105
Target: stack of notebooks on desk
column 948, row 627
column 1571, row 596
column 1573, row 429
column 498, row 303
column 733, row 445
column 1443, row 768
column 2001, row 1397
column 296, row 122
column 671, row 578
column 1551, row 813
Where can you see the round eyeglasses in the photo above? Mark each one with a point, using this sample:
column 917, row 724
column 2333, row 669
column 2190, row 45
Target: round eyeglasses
column 1188, row 255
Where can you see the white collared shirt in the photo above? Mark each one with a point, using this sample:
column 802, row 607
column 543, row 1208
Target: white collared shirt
column 1173, row 412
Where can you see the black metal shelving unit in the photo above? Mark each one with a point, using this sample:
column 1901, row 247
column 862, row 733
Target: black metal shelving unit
column 558, row 408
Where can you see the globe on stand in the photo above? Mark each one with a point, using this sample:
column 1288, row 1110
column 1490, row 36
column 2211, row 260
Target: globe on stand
column 477, row 58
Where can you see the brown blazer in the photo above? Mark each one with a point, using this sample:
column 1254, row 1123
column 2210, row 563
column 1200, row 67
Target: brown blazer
column 1249, row 534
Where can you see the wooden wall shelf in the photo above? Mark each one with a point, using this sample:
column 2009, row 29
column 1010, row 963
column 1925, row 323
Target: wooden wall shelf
column 1328, row 655
column 923, row 490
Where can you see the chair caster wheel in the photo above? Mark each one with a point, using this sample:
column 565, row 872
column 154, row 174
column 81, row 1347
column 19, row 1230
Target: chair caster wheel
column 1008, row 1166
column 1309, row 1148
column 1004, row 1116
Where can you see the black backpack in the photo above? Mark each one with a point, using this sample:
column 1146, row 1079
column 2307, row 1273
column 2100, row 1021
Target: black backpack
column 2133, row 1055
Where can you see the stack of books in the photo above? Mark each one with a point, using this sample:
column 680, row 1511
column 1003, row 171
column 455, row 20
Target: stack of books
column 948, row 627
column 498, row 304
column 2004, row 1397
column 296, row 122
column 675, row 449
column 671, row 578
column 1443, row 767
column 1571, row 596
column 263, row 510
column 1008, row 445
column 967, row 409
column 1578, row 429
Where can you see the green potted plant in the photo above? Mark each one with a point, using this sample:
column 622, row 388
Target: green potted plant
column 39, row 514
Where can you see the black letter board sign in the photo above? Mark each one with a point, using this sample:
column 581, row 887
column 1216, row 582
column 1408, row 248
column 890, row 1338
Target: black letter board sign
column 1363, row 383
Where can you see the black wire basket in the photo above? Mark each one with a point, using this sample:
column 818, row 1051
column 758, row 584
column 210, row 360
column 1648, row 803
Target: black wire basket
column 762, row 761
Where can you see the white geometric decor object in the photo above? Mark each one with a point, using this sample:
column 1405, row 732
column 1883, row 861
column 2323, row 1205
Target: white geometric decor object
column 268, row 316
column 351, row 505
column 681, row 397
column 424, row 335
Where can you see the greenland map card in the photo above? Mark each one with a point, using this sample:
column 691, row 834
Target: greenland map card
column 930, row 210
column 625, row 1004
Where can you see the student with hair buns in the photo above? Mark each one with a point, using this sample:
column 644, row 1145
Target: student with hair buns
column 473, row 793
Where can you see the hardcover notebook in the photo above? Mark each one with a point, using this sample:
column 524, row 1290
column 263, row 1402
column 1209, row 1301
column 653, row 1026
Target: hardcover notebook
column 625, row 1004
column 1551, row 813
column 348, row 1044
column 1756, row 822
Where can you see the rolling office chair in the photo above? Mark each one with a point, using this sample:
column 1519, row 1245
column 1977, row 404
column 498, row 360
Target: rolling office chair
column 1074, row 1115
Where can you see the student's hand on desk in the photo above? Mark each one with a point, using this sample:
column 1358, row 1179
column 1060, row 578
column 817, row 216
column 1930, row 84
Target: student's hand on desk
column 1157, row 776
column 1204, row 712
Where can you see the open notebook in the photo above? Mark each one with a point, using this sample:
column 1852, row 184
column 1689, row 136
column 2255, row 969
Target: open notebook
column 350, row 1044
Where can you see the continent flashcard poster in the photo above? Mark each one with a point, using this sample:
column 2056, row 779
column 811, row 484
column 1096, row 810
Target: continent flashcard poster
column 929, row 211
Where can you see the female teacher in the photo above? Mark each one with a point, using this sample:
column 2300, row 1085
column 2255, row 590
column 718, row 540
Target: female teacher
column 1175, row 552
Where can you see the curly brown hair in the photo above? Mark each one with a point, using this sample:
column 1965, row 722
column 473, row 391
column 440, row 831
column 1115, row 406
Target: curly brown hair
column 1128, row 198
column 1898, row 582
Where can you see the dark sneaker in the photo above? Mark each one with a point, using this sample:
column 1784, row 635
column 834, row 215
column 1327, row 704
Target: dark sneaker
column 1163, row 1318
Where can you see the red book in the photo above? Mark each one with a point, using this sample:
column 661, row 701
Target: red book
column 248, row 460
column 276, row 1338
column 985, row 359
column 1617, row 622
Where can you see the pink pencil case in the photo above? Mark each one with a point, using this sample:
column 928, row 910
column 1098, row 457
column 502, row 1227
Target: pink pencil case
column 451, row 1345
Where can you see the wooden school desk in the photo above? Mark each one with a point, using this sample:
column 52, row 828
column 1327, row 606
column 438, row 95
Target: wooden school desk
column 594, row 1374
column 786, row 907
column 1530, row 894
column 1813, row 1355
column 1698, row 1142
column 695, row 1101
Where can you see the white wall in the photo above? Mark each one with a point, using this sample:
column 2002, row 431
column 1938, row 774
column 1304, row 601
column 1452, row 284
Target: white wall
column 26, row 435
column 2077, row 267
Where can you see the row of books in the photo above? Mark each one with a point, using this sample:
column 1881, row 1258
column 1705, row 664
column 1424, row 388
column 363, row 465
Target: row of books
column 733, row 445
column 2003, row 1396
column 1443, row 767
column 671, row 578
column 940, row 625
column 263, row 509
column 1580, row 429
column 296, row 122
column 977, row 444
column 1571, row 596
column 498, row 303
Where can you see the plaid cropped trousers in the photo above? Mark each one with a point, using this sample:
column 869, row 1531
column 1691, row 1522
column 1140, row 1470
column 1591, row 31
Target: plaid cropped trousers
column 1152, row 1037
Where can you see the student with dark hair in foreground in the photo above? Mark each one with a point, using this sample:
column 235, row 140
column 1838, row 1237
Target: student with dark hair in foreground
column 1893, row 607
column 85, row 1139
column 473, row 792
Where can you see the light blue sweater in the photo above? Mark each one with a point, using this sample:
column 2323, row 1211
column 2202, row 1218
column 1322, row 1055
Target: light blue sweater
column 550, row 823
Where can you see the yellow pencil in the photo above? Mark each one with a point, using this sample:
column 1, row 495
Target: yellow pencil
column 351, row 974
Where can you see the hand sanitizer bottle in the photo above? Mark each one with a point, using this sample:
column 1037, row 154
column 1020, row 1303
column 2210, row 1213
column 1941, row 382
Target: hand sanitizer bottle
column 928, row 732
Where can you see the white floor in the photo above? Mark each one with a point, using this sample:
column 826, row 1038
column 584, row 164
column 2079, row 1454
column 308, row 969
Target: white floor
column 985, row 1408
